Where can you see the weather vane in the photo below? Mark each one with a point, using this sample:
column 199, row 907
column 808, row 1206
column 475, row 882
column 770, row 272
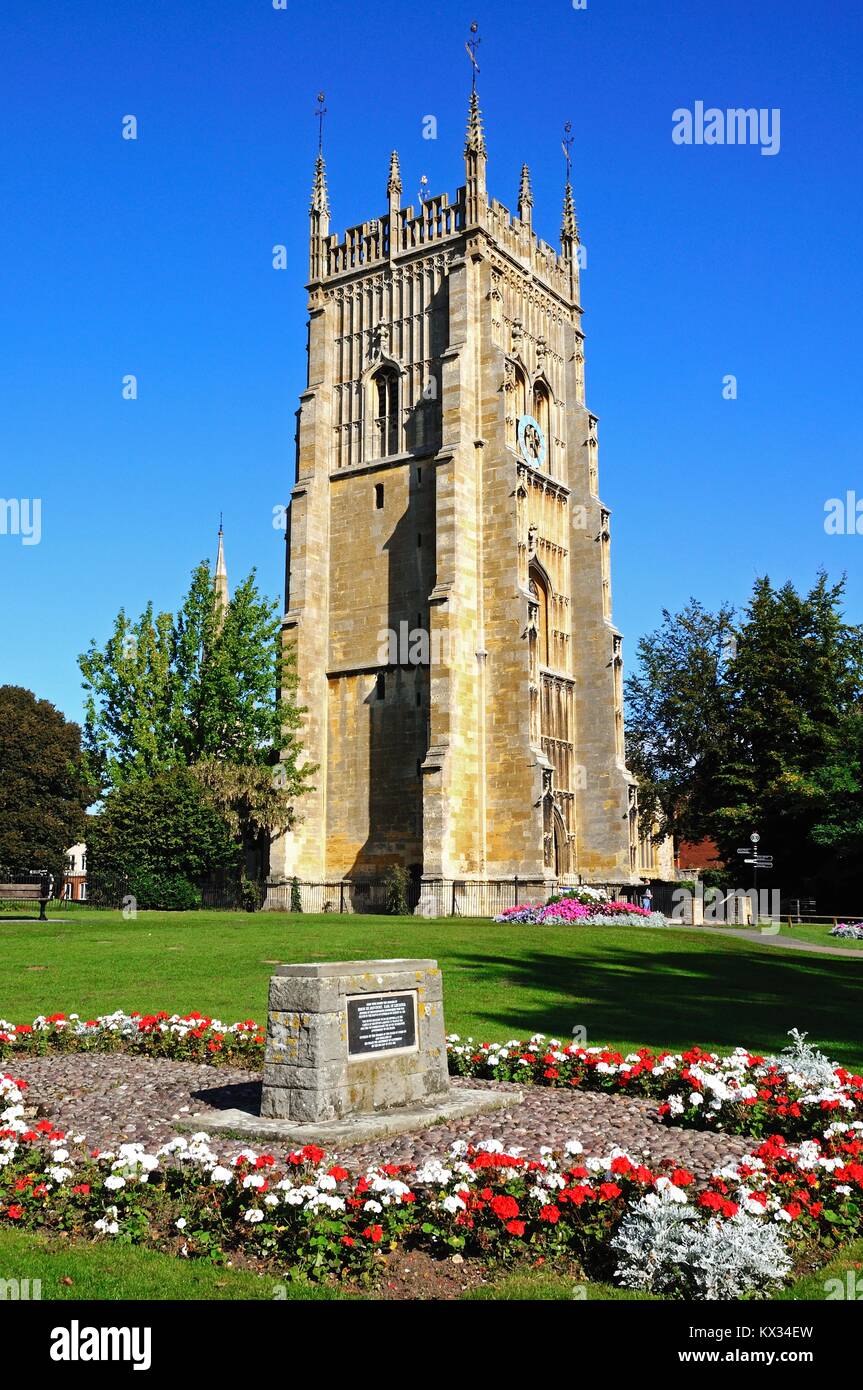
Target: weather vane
column 320, row 112
column 568, row 138
column 472, row 45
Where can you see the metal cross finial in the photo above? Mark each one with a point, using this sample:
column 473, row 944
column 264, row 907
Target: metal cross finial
column 220, row 523
column 567, row 142
column 472, row 45
column 320, row 112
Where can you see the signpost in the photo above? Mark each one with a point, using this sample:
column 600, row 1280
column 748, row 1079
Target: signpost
column 758, row 860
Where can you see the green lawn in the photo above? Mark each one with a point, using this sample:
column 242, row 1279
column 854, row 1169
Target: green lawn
column 813, row 933
column 626, row 986
column 815, row 1287
column 819, row 935
column 105, row 1271
column 102, row 1271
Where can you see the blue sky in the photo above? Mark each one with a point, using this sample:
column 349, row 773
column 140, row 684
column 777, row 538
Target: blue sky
column 153, row 257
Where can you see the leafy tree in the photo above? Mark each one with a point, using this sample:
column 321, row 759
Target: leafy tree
column 130, row 693
column 155, row 830
column 839, row 827
column 396, row 885
column 796, row 688
column 44, row 789
column 227, row 670
column 678, row 716
column 754, row 722
column 211, row 690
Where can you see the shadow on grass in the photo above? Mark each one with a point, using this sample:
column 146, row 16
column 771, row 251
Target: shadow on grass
column 674, row 998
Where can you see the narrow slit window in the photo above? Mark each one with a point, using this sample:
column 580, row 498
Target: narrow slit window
column 381, row 685
column 385, row 387
column 379, row 496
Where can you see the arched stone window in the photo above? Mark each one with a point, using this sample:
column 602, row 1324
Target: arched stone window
column 385, row 408
column 539, row 593
column 542, row 415
column 520, row 402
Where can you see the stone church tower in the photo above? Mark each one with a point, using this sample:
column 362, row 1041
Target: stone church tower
column 448, row 583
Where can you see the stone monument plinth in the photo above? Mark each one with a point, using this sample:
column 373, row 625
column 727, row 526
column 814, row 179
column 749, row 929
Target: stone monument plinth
column 356, row 1050
column 352, row 1037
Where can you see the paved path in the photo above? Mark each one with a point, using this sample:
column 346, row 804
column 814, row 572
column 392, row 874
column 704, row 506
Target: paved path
column 768, row 939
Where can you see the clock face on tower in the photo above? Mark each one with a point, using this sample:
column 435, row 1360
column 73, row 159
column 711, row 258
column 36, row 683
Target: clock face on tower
column 531, row 441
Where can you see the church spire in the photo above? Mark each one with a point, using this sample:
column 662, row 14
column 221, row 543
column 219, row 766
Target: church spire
column 476, row 200
column 320, row 197
column 475, row 142
column 394, row 182
column 569, row 227
column 319, row 211
column 525, row 195
column 220, row 579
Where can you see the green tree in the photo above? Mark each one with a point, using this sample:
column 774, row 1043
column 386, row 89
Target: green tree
column 678, row 718
column 157, row 831
column 129, row 703
column 796, row 686
column 211, row 690
column 44, row 789
column 753, row 722
column 839, row 825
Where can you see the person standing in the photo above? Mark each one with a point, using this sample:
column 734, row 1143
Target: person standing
column 647, row 898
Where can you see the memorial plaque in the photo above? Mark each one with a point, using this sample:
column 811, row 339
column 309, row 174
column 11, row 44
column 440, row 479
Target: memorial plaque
column 381, row 1024
column 353, row 1037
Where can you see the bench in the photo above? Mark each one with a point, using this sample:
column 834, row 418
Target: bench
column 28, row 892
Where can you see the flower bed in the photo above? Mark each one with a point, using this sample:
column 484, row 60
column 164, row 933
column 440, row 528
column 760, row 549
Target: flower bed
column 589, row 907
column 848, row 931
column 798, row 1094
column 653, row 1228
column 190, row 1037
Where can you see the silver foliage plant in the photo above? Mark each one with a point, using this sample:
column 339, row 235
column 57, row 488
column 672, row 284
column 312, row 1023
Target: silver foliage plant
column 800, row 1059
column 669, row 1248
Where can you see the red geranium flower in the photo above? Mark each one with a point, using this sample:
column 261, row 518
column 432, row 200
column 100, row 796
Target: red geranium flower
column 681, row 1177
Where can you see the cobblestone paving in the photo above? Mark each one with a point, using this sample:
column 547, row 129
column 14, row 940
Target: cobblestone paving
column 113, row 1098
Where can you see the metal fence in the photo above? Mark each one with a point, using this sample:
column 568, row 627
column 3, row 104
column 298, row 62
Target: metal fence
column 32, row 878
column 440, row 898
